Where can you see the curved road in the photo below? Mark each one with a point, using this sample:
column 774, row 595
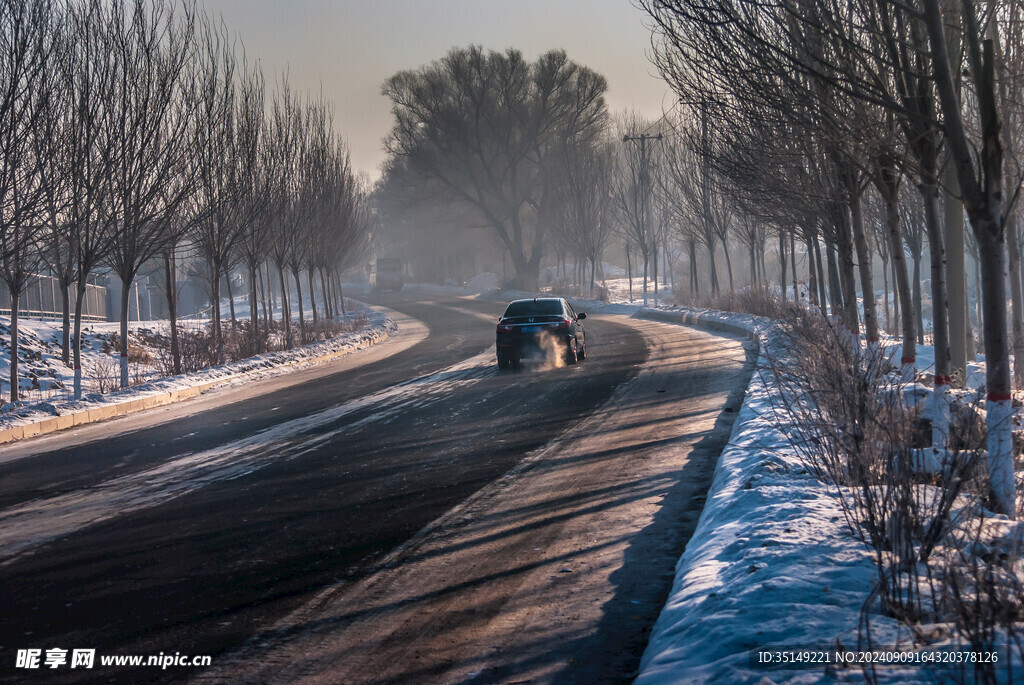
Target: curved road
column 404, row 513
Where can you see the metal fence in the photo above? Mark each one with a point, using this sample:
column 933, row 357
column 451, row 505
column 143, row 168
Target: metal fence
column 42, row 300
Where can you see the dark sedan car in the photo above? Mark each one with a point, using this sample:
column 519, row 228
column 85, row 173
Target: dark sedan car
column 541, row 327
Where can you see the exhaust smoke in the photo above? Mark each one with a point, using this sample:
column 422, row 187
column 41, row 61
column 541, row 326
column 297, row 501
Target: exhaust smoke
column 552, row 352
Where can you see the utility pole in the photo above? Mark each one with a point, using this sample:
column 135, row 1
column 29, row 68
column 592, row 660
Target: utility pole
column 644, row 190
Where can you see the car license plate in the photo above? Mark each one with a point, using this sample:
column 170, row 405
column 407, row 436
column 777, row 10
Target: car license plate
column 531, row 329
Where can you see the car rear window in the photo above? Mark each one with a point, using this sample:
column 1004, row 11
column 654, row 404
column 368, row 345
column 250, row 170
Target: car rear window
column 531, row 308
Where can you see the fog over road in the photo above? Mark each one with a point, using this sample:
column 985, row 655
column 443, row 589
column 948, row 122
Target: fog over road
column 305, row 528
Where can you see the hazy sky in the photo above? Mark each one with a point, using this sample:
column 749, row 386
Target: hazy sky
column 352, row 46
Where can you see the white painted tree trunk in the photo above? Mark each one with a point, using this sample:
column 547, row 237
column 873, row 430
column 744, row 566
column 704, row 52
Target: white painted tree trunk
column 999, row 418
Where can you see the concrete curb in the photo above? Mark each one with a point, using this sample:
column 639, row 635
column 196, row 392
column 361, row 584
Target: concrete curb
column 110, row 411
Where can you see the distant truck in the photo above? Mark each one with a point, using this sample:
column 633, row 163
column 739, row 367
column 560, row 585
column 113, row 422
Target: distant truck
column 387, row 276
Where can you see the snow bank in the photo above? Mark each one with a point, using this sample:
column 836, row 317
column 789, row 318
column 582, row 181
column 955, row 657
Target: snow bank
column 41, row 333
column 483, row 283
column 771, row 563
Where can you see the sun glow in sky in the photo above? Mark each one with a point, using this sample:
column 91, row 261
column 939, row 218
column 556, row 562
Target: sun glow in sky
column 349, row 47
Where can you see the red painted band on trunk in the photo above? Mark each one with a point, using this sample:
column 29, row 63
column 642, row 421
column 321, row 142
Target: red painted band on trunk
column 998, row 397
column 943, row 380
column 908, row 360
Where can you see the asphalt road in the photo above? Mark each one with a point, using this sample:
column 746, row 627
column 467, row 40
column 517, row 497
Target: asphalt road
column 206, row 528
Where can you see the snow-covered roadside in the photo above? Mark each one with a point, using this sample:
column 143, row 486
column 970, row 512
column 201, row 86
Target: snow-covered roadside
column 378, row 327
column 772, row 562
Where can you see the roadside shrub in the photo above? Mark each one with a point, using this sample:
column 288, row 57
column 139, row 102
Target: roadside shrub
column 947, row 570
column 196, row 346
column 105, row 374
column 137, row 354
column 757, row 300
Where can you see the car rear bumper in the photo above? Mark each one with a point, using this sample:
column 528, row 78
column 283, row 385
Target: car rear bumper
column 524, row 345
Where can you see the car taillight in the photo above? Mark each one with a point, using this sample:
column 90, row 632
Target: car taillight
column 504, row 328
column 562, row 325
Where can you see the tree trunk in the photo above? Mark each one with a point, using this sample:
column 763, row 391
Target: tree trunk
column 126, row 287
column 977, row 292
column 812, row 279
column 848, row 282
column 977, row 278
column 694, row 283
column 264, row 295
column 286, row 314
column 172, row 308
column 298, row 297
column 885, row 289
column 341, row 293
column 76, row 341
column 897, row 309
column 1016, row 300
column 820, row 271
column 312, row 295
column 65, row 328
column 940, row 329
column 753, row 264
column 231, row 300
column 328, row 305
column 254, row 310
column 899, row 263
column 998, row 402
column 782, row 266
column 629, row 272
column 646, row 260
column 728, row 265
column 218, row 333
column 956, row 277
column 332, row 284
column 792, row 259
column 656, row 274
column 835, row 291
column 716, row 289
column 15, row 301
column 669, row 262
column 918, row 301
column 867, row 283
column 272, row 304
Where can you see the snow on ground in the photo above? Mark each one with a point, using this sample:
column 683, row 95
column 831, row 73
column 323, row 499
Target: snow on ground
column 772, row 562
column 48, row 383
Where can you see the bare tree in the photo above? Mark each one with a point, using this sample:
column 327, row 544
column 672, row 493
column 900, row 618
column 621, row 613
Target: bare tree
column 633, row 189
column 486, row 126
column 146, row 125
column 586, row 195
column 227, row 146
column 78, row 183
column 893, row 56
column 26, row 86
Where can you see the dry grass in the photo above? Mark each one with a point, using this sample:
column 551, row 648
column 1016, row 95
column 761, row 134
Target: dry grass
column 754, row 300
